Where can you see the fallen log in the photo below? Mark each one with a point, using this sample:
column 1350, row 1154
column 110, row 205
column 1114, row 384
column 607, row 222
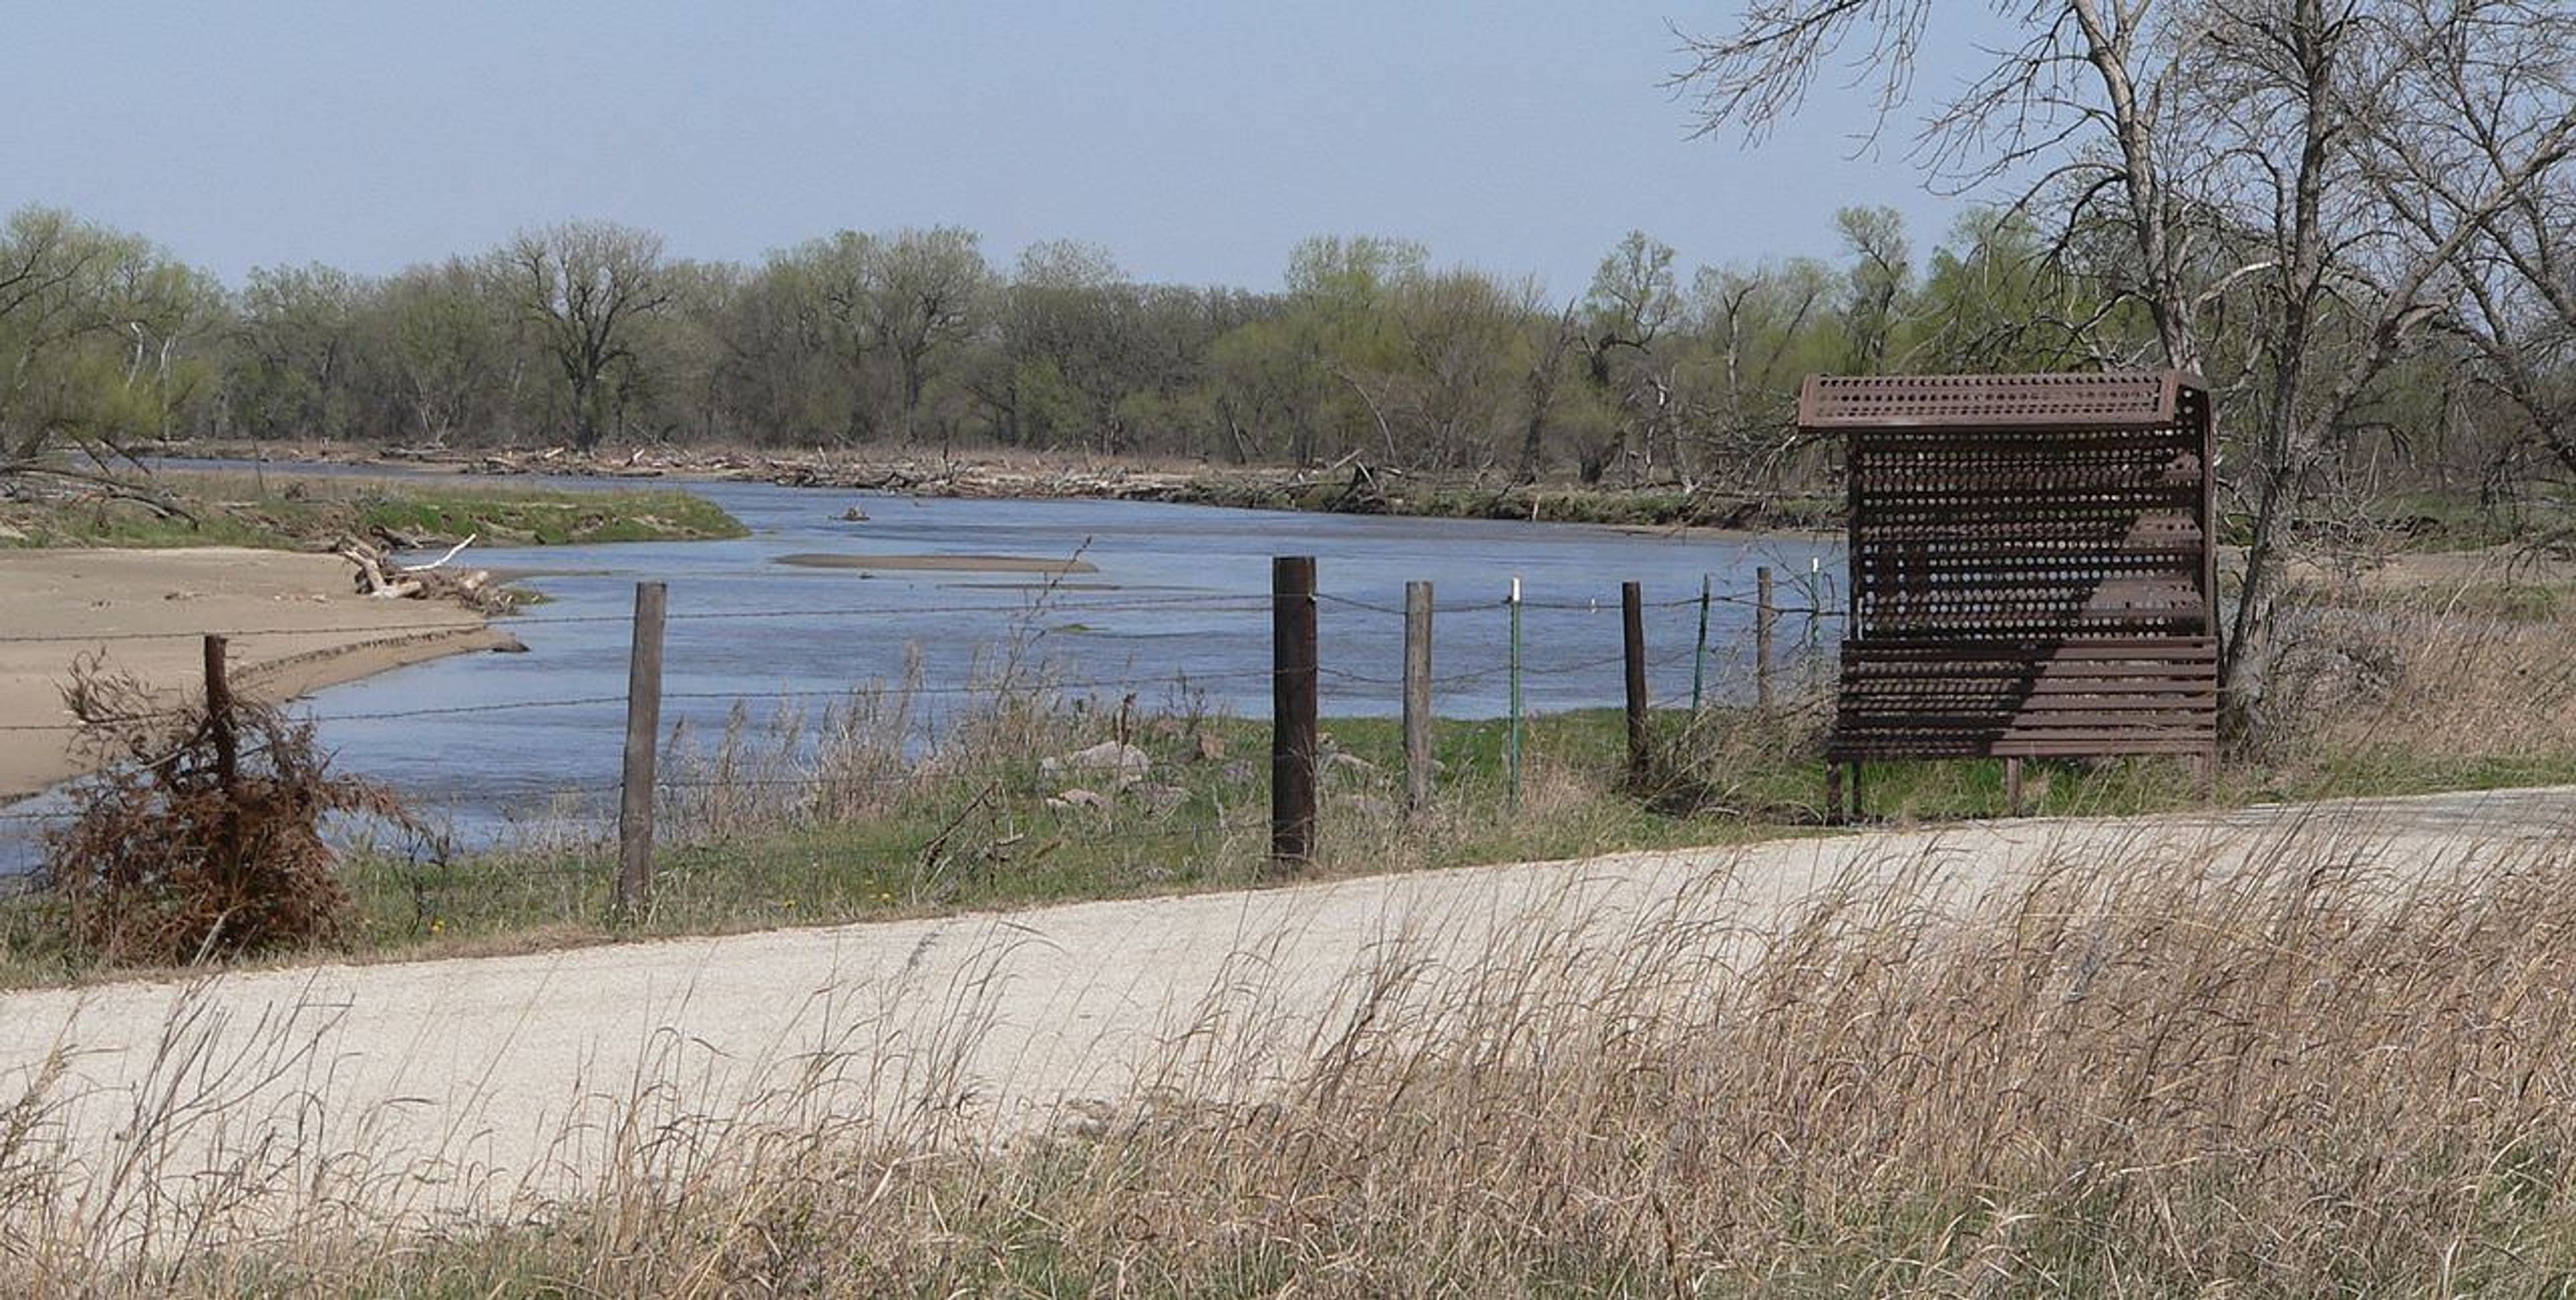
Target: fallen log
column 451, row 554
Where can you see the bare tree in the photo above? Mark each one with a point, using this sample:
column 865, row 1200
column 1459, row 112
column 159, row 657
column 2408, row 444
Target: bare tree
column 2370, row 147
column 294, row 327
column 2083, row 105
column 582, row 285
column 447, row 343
column 1633, row 299
column 1459, row 330
column 1882, row 270
column 1554, row 339
column 2296, row 179
column 2515, row 276
column 1755, row 321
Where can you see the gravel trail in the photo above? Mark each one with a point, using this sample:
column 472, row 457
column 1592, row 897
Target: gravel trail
column 461, row 1084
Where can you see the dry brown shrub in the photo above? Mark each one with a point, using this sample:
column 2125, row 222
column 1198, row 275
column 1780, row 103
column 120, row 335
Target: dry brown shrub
column 167, row 862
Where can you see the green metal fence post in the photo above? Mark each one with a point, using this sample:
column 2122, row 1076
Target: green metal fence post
column 1512, row 750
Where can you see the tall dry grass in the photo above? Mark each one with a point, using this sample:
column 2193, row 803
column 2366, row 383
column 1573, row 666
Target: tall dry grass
column 2439, row 679
column 884, row 743
column 2319, row 1068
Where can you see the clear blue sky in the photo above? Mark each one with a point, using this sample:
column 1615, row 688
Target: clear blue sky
column 1197, row 141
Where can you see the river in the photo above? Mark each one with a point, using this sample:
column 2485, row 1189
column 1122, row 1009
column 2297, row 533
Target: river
column 1176, row 604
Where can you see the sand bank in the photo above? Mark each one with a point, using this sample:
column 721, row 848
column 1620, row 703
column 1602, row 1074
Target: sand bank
column 295, row 627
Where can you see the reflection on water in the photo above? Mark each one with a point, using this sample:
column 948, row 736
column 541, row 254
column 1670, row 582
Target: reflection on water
column 1177, row 597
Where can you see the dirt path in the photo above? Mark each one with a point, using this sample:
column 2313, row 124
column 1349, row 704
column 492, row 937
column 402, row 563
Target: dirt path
column 145, row 609
column 480, row 1080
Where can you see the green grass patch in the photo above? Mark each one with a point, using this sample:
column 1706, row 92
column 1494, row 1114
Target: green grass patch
column 996, row 838
column 2502, row 599
column 2436, row 521
column 554, row 518
column 277, row 511
column 999, row 835
column 1002, row 836
column 744, row 849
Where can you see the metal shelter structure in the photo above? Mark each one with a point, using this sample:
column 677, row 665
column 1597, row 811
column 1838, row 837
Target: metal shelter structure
column 2033, row 571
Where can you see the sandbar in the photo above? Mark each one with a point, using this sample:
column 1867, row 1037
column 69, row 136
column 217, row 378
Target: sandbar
column 292, row 622
column 940, row 563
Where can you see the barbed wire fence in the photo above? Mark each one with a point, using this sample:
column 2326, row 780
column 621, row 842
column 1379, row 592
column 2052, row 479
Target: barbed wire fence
column 854, row 761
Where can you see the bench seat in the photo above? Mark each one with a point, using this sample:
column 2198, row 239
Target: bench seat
column 1919, row 698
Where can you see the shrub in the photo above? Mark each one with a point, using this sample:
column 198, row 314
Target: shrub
column 171, row 859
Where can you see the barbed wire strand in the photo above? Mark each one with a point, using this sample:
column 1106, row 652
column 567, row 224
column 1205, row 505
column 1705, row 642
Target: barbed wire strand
column 1216, row 602
column 1178, row 680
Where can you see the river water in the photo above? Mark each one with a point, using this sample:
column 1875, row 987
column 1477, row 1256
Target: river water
column 1177, row 605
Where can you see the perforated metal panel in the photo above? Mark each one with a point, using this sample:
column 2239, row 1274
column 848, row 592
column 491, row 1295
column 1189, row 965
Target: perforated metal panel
column 2098, row 401
column 2031, row 564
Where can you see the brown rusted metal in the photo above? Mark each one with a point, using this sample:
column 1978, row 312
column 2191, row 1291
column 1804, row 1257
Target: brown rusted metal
column 2137, row 399
column 2032, row 568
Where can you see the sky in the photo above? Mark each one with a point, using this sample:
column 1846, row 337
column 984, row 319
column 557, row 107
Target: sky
column 1197, row 142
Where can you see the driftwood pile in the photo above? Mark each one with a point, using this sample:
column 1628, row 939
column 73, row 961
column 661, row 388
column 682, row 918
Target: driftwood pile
column 926, row 475
column 971, row 479
column 379, row 577
column 937, row 476
column 638, row 463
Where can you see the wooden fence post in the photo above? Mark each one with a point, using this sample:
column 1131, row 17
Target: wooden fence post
column 219, row 718
column 222, row 728
column 1417, row 696
column 643, row 731
column 1699, row 652
column 1632, row 621
column 1765, row 615
column 1292, row 713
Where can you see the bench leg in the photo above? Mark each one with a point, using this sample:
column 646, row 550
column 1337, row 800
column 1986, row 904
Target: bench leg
column 2012, row 787
column 1833, row 793
column 1857, row 812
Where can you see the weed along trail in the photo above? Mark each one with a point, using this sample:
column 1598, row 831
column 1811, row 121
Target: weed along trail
column 488, row 1086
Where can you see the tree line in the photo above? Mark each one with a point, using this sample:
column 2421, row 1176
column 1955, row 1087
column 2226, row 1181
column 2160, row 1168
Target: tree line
column 589, row 333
